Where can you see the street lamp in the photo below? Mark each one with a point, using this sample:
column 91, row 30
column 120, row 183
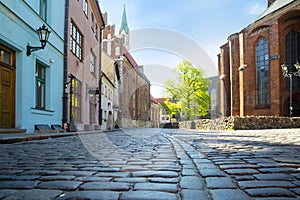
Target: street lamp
column 43, row 33
column 290, row 75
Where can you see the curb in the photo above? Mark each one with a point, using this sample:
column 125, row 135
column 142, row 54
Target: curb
column 22, row 137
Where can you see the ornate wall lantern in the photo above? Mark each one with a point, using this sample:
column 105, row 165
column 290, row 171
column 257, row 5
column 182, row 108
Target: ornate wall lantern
column 43, row 34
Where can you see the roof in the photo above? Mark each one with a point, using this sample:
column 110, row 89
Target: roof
column 130, row 59
column 153, row 99
column 276, row 5
column 124, row 25
column 161, row 100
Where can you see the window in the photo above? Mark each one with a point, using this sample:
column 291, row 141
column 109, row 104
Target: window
column 75, row 41
column 5, row 56
column 117, row 51
column 108, row 44
column 75, row 96
column 40, row 86
column 104, row 116
column 96, row 30
column 93, row 23
column 92, row 63
column 262, row 73
column 85, row 7
column 43, row 9
column 292, row 52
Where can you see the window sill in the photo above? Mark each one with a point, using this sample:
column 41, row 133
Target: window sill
column 42, row 112
column 263, row 107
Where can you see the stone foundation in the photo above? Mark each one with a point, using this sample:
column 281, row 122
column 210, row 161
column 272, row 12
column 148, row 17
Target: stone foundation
column 242, row 123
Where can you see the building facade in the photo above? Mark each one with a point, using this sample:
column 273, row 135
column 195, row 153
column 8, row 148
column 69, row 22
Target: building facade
column 31, row 86
column 133, row 95
column 85, row 23
column 154, row 113
column 109, row 92
column 250, row 75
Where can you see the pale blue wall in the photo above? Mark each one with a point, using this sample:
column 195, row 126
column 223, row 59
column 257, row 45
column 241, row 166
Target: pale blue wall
column 19, row 19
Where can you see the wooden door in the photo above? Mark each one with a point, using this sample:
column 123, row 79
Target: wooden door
column 7, row 88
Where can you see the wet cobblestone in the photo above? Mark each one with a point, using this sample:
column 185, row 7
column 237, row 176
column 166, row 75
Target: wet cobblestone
column 154, row 164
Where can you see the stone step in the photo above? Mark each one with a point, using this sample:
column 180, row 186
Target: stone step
column 12, row 130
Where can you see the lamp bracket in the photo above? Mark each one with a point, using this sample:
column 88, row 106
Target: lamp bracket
column 31, row 49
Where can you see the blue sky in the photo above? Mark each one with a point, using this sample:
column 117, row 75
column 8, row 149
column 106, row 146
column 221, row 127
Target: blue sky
column 207, row 22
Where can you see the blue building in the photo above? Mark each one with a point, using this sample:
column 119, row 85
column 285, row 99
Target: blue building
column 31, row 86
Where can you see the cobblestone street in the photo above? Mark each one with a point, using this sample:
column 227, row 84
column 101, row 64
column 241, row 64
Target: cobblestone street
column 154, row 164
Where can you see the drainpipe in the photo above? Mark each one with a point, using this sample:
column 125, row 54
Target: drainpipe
column 65, row 73
column 100, row 63
column 100, row 75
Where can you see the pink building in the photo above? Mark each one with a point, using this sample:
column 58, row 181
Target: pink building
column 85, row 24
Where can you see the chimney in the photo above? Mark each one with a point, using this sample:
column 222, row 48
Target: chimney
column 270, row 2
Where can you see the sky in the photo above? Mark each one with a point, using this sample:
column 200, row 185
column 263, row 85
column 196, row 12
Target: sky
column 175, row 30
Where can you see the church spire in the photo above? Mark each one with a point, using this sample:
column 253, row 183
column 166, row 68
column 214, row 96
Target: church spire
column 124, row 25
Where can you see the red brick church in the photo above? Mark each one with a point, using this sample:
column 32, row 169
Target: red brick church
column 251, row 81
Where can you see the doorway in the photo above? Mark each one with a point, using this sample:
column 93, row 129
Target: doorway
column 7, row 87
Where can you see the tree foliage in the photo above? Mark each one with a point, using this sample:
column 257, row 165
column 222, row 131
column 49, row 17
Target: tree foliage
column 190, row 91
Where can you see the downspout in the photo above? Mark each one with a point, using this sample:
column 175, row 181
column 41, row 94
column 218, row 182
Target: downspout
column 100, row 74
column 65, row 72
column 100, row 63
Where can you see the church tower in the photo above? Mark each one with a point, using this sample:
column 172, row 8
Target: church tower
column 124, row 30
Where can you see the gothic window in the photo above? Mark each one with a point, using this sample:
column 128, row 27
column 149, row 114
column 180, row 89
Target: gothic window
column 117, row 51
column 109, row 44
column 292, row 54
column 262, row 73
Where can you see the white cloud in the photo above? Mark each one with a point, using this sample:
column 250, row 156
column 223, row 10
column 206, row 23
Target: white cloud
column 256, row 9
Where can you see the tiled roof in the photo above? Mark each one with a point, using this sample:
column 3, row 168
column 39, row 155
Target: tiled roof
column 161, row 100
column 278, row 4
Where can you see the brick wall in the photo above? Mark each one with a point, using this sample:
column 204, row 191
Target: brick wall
column 238, row 90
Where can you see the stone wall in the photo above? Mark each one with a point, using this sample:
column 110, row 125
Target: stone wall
column 242, row 123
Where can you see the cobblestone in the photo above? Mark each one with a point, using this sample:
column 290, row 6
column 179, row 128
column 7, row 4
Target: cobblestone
column 219, row 183
column 187, row 194
column 148, row 195
column 270, row 192
column 154, row 164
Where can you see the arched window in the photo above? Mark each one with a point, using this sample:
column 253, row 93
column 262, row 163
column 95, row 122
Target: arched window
column 117, row 51
column 109, row 44
column 292, row 54
column 262, row 73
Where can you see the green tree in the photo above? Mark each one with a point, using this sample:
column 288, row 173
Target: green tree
column 171, row 108
column 190, row 91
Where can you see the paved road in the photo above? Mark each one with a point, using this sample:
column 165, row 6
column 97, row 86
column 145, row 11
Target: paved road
column 154, row 164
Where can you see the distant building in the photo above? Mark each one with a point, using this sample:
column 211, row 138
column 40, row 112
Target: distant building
column 154, row 113
column 109, row 92
column 134, row 87
column 31, row 86
column 84, row 69
column 250, row 76
column 107, row 100
column 135, row 95
column 163, row 115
